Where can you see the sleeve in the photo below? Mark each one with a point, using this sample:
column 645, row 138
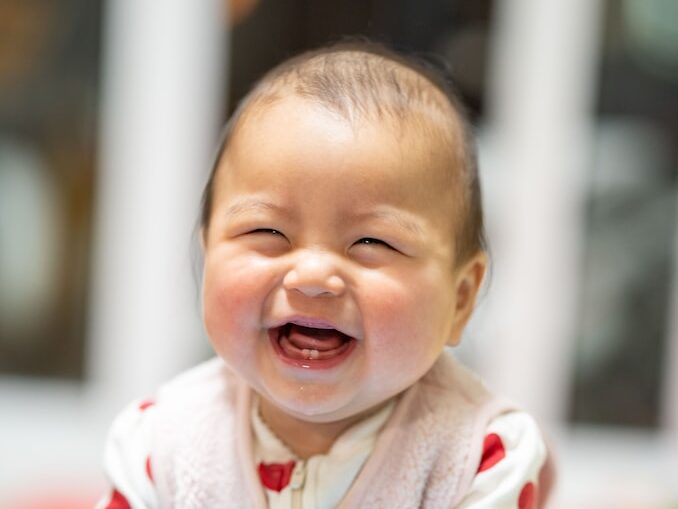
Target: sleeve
column 514, row 454
column 127, row 459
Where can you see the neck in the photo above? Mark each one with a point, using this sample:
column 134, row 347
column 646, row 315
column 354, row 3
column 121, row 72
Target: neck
column 304, row 438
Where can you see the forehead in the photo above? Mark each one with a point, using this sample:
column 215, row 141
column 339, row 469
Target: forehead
column 293, row 139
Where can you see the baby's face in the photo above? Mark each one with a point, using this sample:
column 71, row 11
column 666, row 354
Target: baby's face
column 329, row 281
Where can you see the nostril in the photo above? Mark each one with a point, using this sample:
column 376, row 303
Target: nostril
column 335, row 284
column 291, row 280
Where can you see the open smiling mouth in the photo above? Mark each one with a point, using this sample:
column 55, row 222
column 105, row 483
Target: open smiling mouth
column 310, row 347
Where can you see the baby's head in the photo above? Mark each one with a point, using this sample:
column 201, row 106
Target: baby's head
column 342, row 231
column 365, row 82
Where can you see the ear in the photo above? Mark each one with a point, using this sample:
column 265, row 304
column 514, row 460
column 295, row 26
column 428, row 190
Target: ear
column 467, row 284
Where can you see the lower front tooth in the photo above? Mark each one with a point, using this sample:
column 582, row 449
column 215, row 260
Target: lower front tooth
column 310, row 353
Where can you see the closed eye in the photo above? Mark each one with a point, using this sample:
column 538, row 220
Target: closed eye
column 270, row 231
column 371, row 241
column 266, row 241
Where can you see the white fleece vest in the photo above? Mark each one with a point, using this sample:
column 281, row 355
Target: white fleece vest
column 426, row 455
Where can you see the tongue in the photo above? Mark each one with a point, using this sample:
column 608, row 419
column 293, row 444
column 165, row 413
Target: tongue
column 315, row 339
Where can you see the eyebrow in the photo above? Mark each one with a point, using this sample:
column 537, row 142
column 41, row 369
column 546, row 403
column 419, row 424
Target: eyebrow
column 245, row 205
column 394, row 217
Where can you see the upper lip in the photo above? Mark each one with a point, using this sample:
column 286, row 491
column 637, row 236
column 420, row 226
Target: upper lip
column 310, row 321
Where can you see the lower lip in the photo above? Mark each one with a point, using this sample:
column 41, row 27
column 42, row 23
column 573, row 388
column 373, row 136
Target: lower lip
column 273, row 335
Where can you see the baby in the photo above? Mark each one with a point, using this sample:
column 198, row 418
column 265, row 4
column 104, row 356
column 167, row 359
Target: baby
column 343, row 247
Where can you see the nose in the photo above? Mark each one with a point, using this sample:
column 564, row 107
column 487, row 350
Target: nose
column 315, row 275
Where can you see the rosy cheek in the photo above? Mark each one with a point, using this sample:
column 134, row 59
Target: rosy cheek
column 402, row 325
column 389, row 320
column 233, row 293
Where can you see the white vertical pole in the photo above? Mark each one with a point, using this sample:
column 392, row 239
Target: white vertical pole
column 542, row 84
column 162, row 96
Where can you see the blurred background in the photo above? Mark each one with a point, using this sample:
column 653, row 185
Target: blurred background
column 109, row 116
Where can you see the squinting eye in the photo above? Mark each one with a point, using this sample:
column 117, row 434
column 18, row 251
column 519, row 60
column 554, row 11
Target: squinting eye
column 370, row 241
column 267, row 230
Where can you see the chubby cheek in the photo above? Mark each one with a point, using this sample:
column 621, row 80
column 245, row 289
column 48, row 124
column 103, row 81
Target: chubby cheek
column 233, row 296
column 406, row 329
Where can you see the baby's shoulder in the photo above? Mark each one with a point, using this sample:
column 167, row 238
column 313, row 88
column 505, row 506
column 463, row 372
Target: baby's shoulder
column 203, row 388
column 516, row 431
column 209, row 372
column 450, row 379
column 515, row 469
column 193, row 385
column 202, row 384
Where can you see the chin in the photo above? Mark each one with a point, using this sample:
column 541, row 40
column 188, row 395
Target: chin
column 312, row 405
